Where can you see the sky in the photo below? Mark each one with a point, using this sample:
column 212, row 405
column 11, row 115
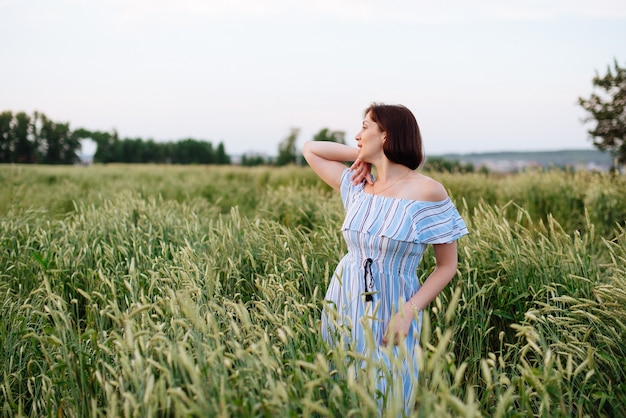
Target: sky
column 480, row 76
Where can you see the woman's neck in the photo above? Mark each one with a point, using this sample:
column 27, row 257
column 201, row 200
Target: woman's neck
column 388, row 172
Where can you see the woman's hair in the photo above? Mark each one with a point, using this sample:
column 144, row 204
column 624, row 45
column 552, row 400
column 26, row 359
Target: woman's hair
column 404, row 141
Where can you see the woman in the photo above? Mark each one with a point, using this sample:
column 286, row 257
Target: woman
column 389, row 222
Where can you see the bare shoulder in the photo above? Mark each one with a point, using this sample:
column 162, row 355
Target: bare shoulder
column 426, row 189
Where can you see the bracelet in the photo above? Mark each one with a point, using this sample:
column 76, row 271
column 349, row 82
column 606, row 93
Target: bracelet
column 414, row 305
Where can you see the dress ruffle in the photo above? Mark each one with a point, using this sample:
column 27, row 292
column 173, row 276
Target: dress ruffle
column 400, row 219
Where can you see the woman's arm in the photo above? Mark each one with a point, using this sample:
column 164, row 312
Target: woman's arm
column 446, row 264
column 327, row 159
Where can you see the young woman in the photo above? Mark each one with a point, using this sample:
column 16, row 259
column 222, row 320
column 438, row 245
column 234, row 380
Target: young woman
column 389, row 222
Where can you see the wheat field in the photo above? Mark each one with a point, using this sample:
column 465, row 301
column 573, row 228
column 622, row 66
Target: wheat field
column 178, row 291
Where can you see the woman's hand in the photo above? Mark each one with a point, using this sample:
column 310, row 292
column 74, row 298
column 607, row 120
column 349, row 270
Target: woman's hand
column 361, row 171
column 398, row 327
column 445, row 269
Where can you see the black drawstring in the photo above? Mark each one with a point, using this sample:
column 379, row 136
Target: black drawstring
column 366, row 273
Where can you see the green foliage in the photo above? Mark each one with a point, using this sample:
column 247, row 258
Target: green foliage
column 253, row 160
column 36, row 139
column 6, row 137
column 442, row 165
column 326, row 134
column 60, row 144
column 220, row 155
column 607, row 109
column 107, row 144
column 196, row 291
column 111, row 149
column 287, row 149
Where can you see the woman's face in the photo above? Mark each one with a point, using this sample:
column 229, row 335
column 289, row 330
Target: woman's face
column 370, row 139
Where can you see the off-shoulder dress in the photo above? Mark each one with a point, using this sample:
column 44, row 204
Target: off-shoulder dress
column 386, row 238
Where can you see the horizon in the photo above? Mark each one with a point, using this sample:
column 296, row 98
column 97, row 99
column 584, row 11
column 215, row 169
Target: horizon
column 92, row 148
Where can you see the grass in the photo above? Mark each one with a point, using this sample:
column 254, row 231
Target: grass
column 197, row 291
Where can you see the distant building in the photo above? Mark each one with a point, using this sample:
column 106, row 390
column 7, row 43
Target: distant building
column 506, row 162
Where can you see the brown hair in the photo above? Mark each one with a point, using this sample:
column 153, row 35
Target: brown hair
column 404, row 141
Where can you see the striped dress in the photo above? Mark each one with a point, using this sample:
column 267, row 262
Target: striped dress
column 386, row 238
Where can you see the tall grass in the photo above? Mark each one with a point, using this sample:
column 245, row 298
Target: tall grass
column 568, row 197
column 149, row 296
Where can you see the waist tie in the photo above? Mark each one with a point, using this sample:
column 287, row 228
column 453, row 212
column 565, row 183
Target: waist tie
column 368, row 278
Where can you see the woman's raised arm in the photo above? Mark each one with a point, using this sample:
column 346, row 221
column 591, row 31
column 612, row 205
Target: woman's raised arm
column 327, row 159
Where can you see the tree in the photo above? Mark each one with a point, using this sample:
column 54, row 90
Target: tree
column 36, row 139
column 608, row 109
column 287, row 149
column 442, row 165
column 107, row 145
column 328, row 135
column 7, row 143
column 252, row 160
column 220, row 155
column 58, row 143
column 192, row 151
column 25, row 146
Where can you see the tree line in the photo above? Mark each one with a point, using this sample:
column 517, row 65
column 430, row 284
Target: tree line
column 36, row 139
column 32, row 139
column 112, row 149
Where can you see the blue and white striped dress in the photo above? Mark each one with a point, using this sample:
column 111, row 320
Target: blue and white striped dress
column 386, row 238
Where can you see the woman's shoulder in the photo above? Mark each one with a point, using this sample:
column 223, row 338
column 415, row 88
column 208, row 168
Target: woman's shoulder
column 425, row 189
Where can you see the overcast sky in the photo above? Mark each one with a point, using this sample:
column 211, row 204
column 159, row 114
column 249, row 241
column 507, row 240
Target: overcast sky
column 485, row 75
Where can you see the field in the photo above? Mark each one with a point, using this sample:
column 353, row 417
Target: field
column 197, row 291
